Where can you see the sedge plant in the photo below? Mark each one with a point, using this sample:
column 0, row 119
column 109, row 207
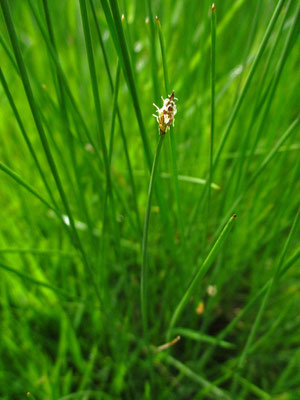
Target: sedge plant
column 123, row 271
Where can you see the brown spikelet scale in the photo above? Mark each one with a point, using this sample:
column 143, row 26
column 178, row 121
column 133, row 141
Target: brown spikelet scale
column 166, row 114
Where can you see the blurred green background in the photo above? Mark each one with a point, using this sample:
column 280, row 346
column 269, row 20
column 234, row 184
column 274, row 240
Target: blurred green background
column 79, row 79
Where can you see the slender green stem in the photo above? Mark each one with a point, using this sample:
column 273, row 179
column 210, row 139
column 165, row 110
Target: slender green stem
column 106, row 62
column 144, row 274
column 46, row 285
column 163, row 55
column 9, row 53
column 153, row 52
column 212, row 104
column 186, row 371
column 25, row 185
column 114, row 112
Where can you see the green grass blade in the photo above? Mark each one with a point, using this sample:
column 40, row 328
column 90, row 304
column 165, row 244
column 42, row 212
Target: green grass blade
column 25, row 185
column 202, row 337
column 28, row 278
column 216, row 392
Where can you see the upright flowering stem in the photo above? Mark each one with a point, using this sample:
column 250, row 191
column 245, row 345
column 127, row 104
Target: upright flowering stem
column 212, row 117
column 144, row 277
column 165, row 119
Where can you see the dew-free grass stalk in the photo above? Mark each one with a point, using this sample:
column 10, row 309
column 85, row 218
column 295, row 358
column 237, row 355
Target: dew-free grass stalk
column 212, row 103
column 200, row 274
column 206, row 194
column 154, row 63
column 114, row 111
column 25, row 185
column 144, row 274
column 8, row 53
column 186, row 371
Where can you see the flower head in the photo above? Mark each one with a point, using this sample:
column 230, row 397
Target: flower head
column 166, row 114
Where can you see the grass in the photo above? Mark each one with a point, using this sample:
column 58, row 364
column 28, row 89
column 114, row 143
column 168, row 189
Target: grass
column 103, row 263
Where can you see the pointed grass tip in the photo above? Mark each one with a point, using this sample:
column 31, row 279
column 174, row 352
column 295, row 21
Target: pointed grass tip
column 156, row 19
column 147, row 20
column 234, row 216
column 123, row 18
column 213, row 7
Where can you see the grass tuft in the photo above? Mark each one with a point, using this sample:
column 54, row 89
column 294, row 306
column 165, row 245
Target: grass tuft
column 192, row 303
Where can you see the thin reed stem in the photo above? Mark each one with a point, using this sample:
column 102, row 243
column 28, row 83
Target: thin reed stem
column 144, row 273
column 212, row 104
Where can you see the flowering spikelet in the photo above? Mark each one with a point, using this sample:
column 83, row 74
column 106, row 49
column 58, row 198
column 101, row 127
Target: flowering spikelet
column 166, row 114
